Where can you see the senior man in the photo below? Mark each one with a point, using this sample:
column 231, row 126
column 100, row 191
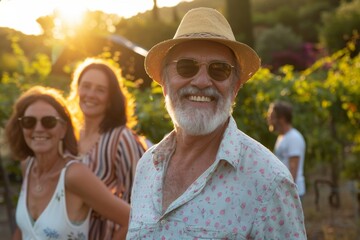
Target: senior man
column 207, row 179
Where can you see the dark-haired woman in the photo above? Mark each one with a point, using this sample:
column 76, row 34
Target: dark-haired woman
column 58, row 191
column 107, row 144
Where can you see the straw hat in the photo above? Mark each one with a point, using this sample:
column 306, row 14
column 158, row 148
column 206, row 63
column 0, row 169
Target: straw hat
column 203, row 24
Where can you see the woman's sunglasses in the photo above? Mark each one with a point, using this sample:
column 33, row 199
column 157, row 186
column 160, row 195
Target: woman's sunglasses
column 47, row 122
column 217, row 70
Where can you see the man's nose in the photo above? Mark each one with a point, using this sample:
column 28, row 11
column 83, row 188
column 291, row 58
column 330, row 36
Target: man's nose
column 202, row 79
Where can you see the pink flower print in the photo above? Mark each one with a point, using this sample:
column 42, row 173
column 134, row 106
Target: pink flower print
column 213, row 188
column 228, row 199
column 264, row 209
column 249, row 192
column 270, row 229
column 296, row 235
column 259, row 198
column 219, row 194
column 273, row 217
column 243, row 205
column 222, row 212
column 227, row 152
column 241, row 168
column 243, row 228
column 207, row 222
column 235, row 230
column 207, row 199
column 264, row 187
column 281, row 222
column 185, row 219
column 262, row 171
column 163, row 238
column 221, row 176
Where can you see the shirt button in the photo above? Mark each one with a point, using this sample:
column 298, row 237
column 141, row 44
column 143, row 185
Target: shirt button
column 163, row 222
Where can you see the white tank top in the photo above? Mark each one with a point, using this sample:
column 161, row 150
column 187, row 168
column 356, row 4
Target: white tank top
column 53, row 223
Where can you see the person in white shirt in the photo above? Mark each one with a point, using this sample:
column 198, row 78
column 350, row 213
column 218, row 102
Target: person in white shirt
column 290, row 144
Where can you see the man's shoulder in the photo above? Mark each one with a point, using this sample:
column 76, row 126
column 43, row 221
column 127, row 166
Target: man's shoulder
column 295, row 135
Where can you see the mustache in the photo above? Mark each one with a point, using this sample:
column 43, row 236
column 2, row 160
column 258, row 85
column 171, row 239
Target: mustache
column 207, row 92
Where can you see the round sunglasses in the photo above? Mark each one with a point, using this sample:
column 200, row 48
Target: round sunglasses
column 217, row 70
column 48, row 122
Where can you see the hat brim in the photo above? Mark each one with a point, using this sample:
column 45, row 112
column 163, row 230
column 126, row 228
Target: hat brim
column 247, row 58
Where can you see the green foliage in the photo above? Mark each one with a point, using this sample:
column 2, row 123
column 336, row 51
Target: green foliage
column 340, row 26
column 276, row 39
column 135, row 29
column 326, row 102
column 153, row 120
column 27, row 72
column 309, row 21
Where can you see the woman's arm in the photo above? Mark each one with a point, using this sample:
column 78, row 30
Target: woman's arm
column 81, row 181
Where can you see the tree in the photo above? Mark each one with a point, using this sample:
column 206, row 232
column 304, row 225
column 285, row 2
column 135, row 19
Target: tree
column 240, row 19
column 155, row 11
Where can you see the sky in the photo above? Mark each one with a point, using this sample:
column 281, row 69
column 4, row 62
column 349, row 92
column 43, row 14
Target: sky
column 22, row 14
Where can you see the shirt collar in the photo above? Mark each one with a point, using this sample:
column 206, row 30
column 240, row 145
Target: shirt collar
column 228, row 150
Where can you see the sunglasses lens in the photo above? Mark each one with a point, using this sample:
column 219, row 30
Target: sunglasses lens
column 49, row 122
column 219, row 71
column 187, row 68
column 28, row 122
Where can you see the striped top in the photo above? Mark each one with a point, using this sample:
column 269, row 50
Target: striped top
column 113, row 159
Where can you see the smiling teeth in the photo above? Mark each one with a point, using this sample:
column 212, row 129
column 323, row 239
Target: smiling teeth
column 89, row 104
column 200, row 99
column 39, row 138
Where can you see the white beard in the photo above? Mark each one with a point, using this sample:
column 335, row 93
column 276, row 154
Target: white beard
column 197, row 121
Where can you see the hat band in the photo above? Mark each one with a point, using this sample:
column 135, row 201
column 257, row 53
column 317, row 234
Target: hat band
column 202, row 35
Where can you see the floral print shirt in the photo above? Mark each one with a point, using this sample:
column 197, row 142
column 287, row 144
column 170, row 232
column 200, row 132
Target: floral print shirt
column 247, row 193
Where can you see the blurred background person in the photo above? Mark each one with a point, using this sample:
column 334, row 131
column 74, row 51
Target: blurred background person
column 108, row 145
column 58, row 191
column 290, row 144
